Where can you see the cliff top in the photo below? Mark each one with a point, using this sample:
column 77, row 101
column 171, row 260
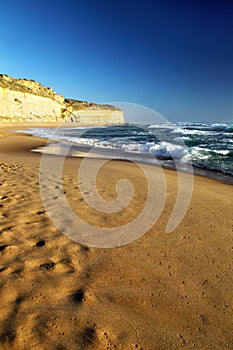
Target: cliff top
column 77, row 105
column 29, row 86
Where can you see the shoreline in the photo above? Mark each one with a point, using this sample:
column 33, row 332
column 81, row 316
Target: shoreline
column 195, row 170
column 169, row 290
column 144, row 159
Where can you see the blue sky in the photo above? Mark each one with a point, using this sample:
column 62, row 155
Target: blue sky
column 173, row 56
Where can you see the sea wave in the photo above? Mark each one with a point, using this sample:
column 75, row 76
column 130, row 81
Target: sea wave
column 206, row 145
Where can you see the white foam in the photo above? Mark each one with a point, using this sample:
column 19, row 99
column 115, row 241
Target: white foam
column 168, row 150
column 197, row 152
column 135, row 147
column 187, row 132
column 223, row 152
column 219, row 127
column 161, row 126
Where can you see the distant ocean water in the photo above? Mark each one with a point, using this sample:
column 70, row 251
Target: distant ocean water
column 207, row 146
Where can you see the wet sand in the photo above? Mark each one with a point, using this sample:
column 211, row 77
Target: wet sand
column 162, row 291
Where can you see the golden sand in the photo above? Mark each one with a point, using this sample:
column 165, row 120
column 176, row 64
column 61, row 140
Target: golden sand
column 162, row 291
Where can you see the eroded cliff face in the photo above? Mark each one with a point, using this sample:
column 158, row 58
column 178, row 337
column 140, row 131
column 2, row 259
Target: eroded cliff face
column 17, row 106
column 24, row 100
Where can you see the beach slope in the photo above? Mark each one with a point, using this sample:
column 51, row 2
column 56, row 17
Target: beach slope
column 162, row 291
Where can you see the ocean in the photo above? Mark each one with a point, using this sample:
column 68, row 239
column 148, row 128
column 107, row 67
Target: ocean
column 208, row 147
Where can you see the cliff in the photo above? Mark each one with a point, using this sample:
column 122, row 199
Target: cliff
column 23, row 100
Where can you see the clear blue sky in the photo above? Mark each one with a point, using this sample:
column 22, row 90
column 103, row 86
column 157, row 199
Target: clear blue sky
column 172, row 56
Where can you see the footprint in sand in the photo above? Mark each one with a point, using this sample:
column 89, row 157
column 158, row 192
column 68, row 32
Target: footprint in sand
column 47, row 266
column 40, row 243
column 2, row 247
column 77, row 297
column 40, row 212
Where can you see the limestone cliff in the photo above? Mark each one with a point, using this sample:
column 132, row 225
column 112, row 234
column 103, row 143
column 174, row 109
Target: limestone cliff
column 24, row 100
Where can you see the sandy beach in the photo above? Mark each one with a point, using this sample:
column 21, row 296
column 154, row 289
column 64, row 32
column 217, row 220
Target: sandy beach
column 160, row 292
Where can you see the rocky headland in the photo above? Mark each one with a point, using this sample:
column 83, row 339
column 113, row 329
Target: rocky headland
column 23, row 100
